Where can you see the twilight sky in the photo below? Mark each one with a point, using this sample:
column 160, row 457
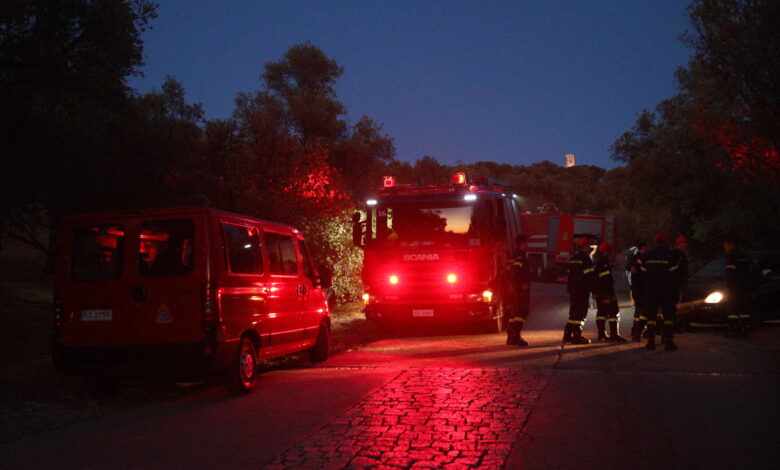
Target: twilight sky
column 508, row 81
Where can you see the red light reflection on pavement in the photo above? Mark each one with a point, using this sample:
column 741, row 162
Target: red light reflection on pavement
column 467, row 418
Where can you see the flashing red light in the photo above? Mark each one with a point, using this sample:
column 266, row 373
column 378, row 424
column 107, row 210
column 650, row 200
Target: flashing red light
column 452, row 278
column 459, row 178
column 393, row 279
column 388, row 182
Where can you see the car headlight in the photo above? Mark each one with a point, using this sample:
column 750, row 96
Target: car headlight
column 714, row 298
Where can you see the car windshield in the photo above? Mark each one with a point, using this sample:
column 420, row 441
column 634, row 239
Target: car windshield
column 425, row 224
column 715, row 268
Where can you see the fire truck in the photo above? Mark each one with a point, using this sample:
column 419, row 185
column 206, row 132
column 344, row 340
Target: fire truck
column 551, row 235
column 437, row 253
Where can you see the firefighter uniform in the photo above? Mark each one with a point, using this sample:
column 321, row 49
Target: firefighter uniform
column 661, row 264
column 738, row 284
column 636, row 266
column 608, row 310
column 518, row 290
column 579, row 287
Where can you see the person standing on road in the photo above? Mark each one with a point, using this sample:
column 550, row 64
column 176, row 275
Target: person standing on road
column 680, row 249
column 738, row 284
column 519, row 293
column 579, row 287
column 661, row 264
column 636, row 266
column 608, row 310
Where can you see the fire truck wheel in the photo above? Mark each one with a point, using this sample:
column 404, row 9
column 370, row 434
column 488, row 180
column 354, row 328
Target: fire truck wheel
column 319, row 353
column 241, row 374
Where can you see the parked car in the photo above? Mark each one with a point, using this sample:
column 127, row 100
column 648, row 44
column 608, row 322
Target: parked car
column 706, row 297
column 183, row 292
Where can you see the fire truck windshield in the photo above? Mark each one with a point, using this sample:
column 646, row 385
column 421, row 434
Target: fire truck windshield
column 424, row 224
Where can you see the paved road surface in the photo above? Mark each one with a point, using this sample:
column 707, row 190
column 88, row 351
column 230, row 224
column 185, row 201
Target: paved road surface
column 462, row 401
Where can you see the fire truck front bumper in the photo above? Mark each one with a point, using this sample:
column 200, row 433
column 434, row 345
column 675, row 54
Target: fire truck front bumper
column 430, row 312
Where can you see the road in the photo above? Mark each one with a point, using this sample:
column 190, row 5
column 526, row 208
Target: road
column 435, row 399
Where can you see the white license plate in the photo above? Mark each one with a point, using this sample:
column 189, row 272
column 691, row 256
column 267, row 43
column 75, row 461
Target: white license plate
column 97, row 315
column 422, row 313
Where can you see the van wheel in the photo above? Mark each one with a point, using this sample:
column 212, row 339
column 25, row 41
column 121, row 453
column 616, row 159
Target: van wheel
column 319, row 353
column 241, row 375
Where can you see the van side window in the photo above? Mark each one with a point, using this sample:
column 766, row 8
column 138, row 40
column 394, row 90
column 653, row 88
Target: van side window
column 281, row 254
column 165, row 248
column 243, row 249
column 306, row 261
column 97, row 253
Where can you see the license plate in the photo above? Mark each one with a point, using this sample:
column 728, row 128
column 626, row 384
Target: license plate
column 422, row 313
column 97, row 315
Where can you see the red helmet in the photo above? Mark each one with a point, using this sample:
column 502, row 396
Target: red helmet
column 583, row 242
column 681, row 239
column 603, row 248
column 662, row 237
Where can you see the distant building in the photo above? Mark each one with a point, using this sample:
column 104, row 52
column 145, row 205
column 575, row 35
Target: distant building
column 569, row 160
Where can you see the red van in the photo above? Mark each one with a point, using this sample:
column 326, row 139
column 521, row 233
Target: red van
column 184, row 291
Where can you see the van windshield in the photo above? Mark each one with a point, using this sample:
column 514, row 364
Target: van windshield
column 165, row 248
column 425, row 224
column 97, row 253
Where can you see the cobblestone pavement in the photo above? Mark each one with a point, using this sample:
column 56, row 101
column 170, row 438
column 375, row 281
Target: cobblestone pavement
column 426, row 418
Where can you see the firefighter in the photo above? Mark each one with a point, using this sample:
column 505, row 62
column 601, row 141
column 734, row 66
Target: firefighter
column 519, row 293
column 680, row 249
column 608, row 310
column 579, row 287
column 738, row 284
column 636, row 266
column 661, row 264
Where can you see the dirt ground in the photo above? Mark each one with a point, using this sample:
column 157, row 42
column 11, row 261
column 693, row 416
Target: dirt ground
column 34, row 398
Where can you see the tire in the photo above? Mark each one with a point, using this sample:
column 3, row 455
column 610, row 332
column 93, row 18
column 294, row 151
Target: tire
column 319, row 352
column 241, row 375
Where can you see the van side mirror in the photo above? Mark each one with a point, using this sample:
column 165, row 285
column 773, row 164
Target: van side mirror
column 357, row 230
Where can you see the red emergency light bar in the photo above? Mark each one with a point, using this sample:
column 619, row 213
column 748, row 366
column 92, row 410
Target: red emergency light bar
column 388, row 182
column 459, row 179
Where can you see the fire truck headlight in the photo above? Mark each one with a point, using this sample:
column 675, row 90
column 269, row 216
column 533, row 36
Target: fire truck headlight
column 452, row 278
column 393, row 279
column 714, row 298
column 365, row 297
column 487, row 296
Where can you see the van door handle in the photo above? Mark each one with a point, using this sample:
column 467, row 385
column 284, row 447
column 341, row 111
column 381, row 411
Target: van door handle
column 140, row 294
column 301, row 289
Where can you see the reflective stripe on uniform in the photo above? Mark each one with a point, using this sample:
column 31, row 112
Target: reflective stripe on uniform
column 657, row 261
column 601, row 318
column 613, row 319
column 517, row 263
column 744, row 316
column 673, row 268
column 586, row 271
column 637, row 319
column 668, row 322
column 733, row 317
column 573, row 261
column 604, row 273
column 517, row 319
column 575, row 322
column 642, row 318
column 730, row 266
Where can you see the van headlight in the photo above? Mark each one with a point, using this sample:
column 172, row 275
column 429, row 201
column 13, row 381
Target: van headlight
column 714, row 298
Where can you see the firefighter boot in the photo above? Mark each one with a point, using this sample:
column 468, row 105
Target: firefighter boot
column 669, row 345
column 576, row 337
column 650, row 334
column 614, row 336
column 512, row 335
column 601, row 329
column 520, row 341
column 567, row 333
column 636, row 331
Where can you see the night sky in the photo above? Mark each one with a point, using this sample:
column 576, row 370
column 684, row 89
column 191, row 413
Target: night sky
column 513, row 82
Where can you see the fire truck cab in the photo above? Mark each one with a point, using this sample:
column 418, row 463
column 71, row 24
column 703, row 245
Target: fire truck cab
column 437, row 253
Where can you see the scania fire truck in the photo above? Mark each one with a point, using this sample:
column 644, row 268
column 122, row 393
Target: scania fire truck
column 436, row 253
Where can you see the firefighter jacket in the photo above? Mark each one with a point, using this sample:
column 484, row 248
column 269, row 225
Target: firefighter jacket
column 603, row 281
column 518, row 277
column 737, row 270
column 580, row 274
column 682, row 271
column 660, row 266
